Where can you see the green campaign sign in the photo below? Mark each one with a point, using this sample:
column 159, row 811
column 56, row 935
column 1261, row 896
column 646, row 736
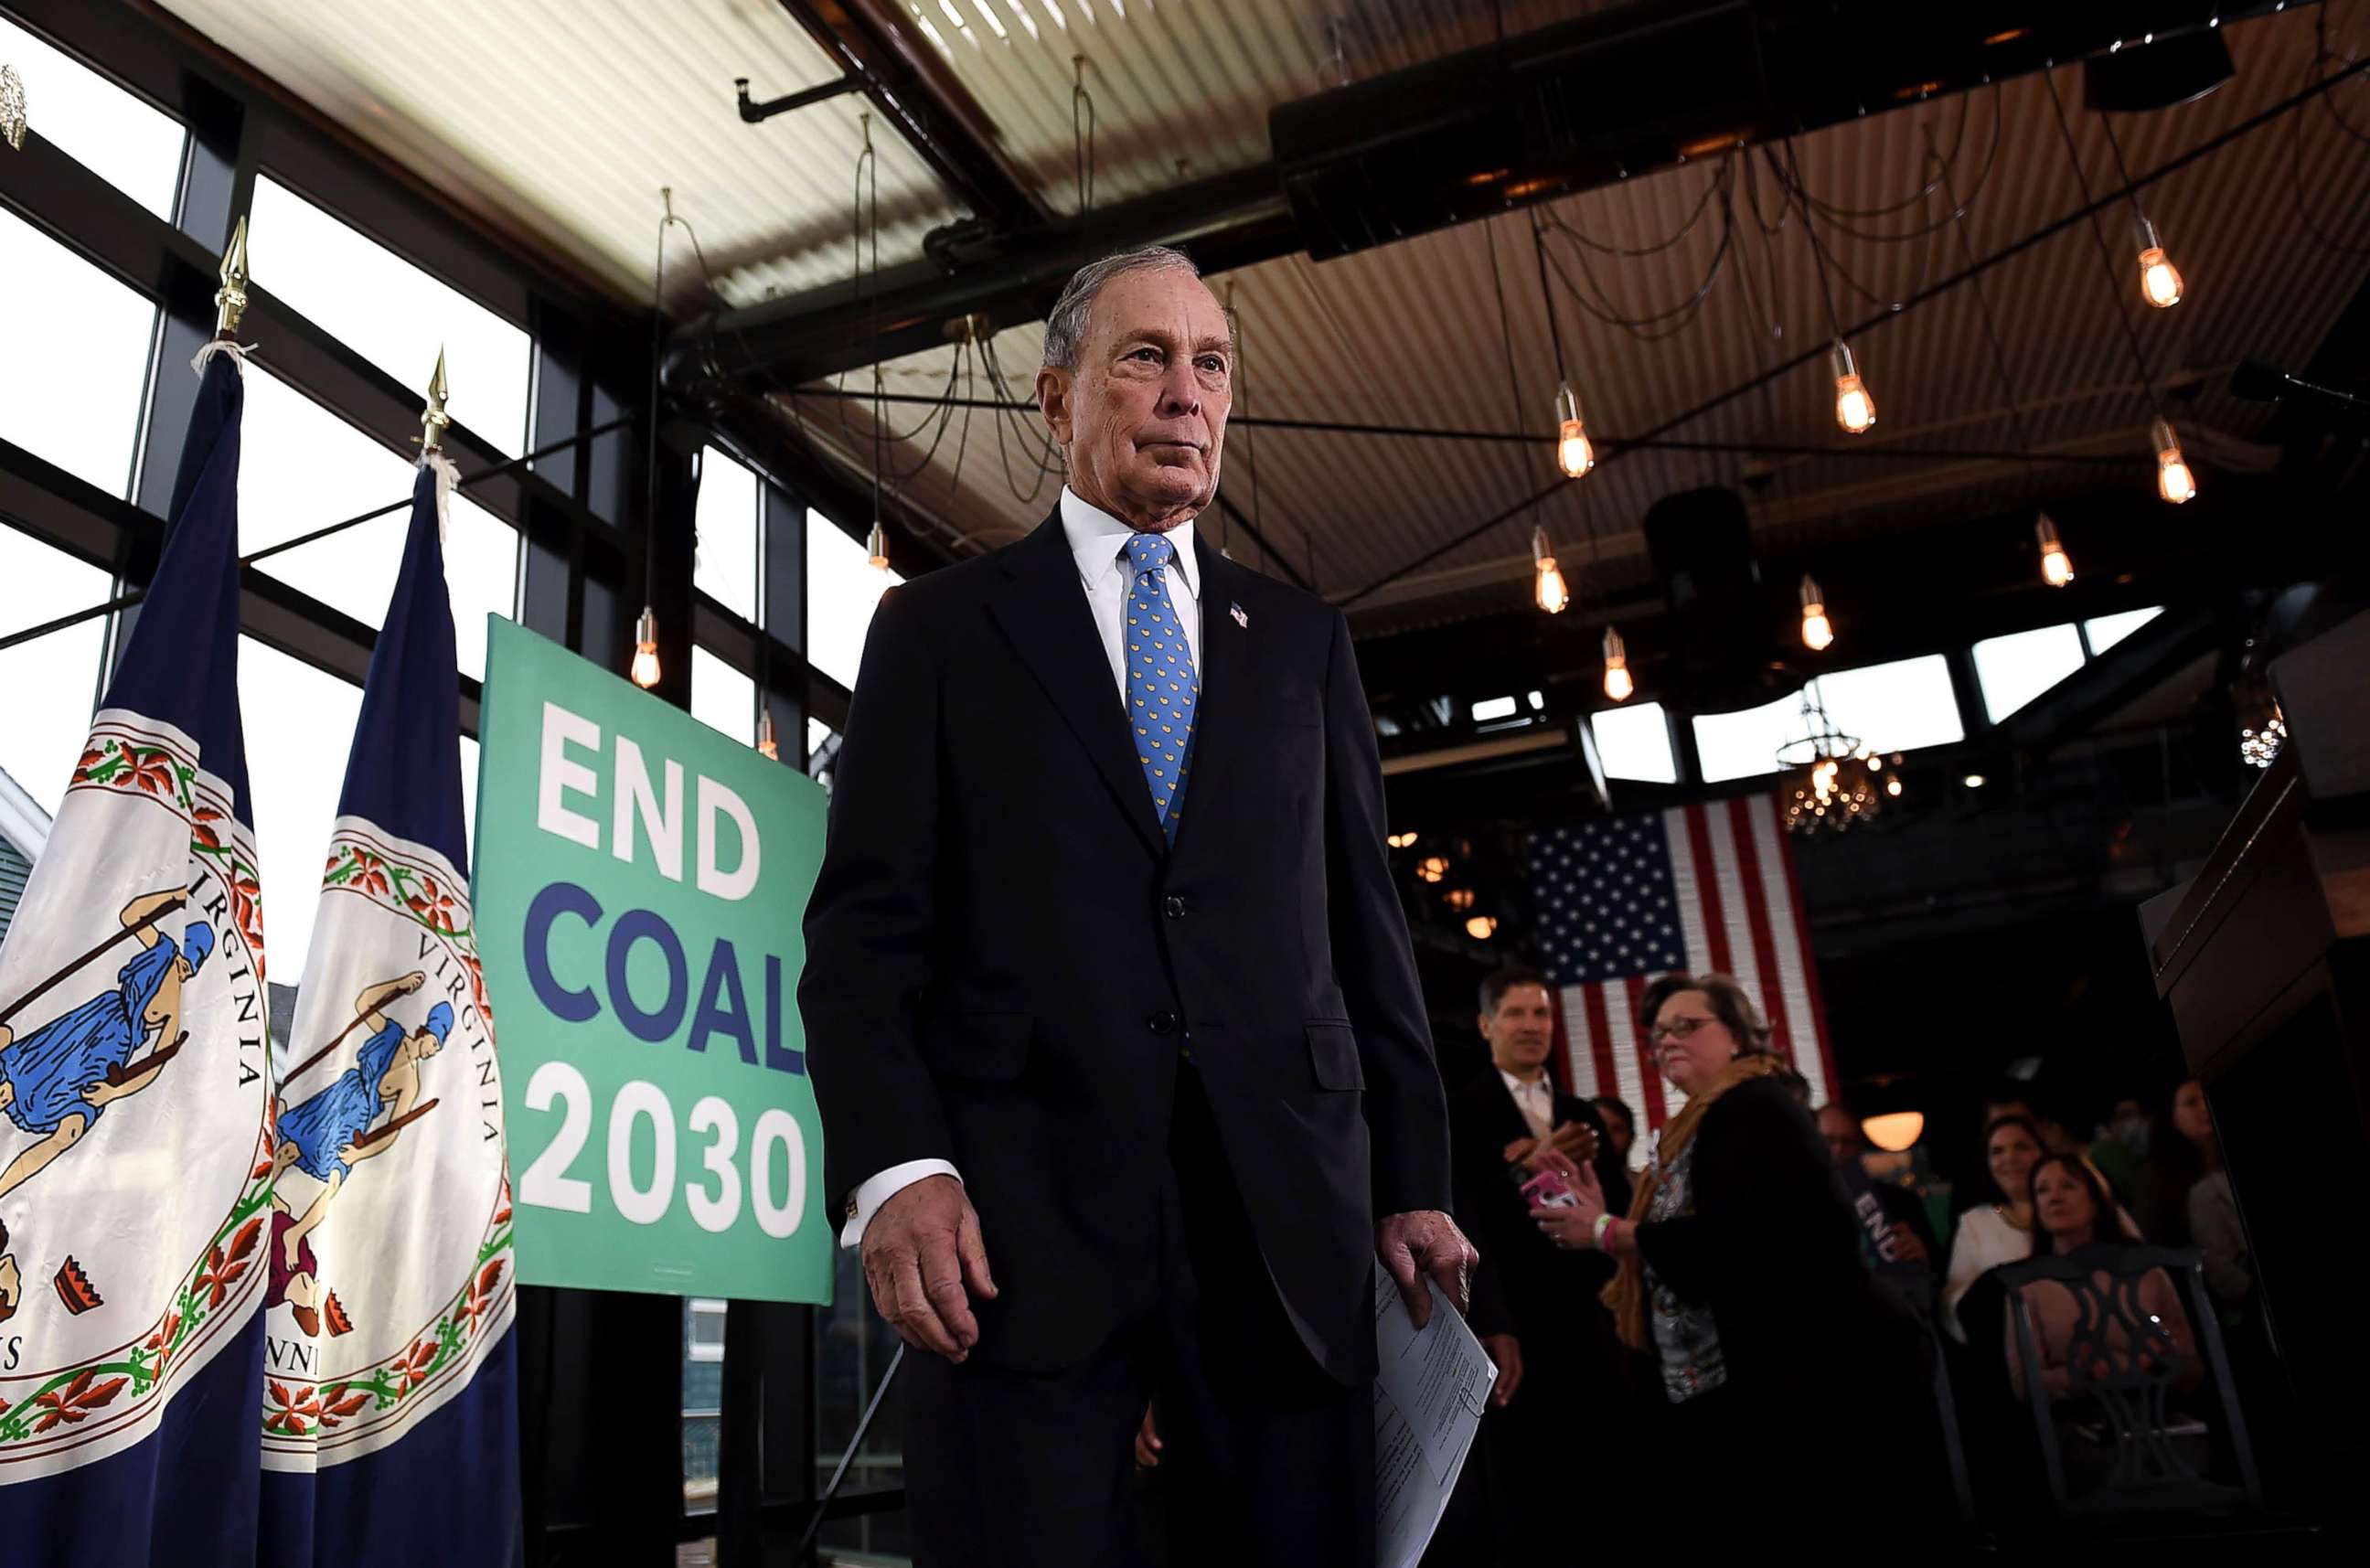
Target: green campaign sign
column 639, row 884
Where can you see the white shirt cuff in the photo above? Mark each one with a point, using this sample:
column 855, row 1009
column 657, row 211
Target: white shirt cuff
column 866, row 1201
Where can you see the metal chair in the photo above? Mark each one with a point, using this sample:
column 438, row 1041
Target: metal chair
column 2124, row 1363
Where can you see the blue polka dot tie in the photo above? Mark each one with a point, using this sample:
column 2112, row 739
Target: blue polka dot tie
column 1161, row 685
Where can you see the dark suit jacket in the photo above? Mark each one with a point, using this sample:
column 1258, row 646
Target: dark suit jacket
column 1007, row 963
column 1549, row 1294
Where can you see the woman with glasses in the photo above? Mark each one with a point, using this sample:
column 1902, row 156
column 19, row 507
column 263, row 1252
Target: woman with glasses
column 1740, row 1275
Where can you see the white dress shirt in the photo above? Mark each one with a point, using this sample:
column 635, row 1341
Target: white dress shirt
column 1534, row 1098
column 1098, row 543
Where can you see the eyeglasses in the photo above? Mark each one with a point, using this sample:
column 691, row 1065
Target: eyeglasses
column 1677, row 1029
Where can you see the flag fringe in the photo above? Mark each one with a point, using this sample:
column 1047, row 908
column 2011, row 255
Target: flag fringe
column 447, row 476
column 221, row 346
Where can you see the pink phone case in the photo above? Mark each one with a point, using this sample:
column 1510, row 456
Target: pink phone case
column 1550, row 1190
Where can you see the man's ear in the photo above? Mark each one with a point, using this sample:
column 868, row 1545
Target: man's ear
column 1053, row 388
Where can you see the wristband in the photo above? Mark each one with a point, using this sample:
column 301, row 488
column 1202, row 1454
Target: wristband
column 1604, row 1228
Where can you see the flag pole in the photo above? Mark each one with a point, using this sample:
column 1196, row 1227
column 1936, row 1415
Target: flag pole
column 177, row 902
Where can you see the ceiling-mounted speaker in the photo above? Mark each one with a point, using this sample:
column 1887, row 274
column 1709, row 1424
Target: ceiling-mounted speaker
column 1701, row 544
column 2179, row 69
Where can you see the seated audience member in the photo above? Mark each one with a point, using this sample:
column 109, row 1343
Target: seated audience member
column 1573, row 1402
column 2120, row 1153
column 2073, row 1211
column 1911, row 1233
column 2000, row 1231
column 1740, row 1275
column 1621, row 1128
column 2182, row 1152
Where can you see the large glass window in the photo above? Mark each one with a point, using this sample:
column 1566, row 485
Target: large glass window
column 1635, row 743
column 390, row 312
column 842, row 590
column 117, row 135
column 301, row 466
column 76, row 356
column 53, row 681
column 722, row 697
column 2105, row 631
column 703, row 1399
column 726, row 565
column 2016, row 668
column 1893, row 707
column 300, row 727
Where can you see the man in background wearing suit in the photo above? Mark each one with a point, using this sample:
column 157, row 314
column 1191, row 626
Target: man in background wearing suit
column 1125, row 1077
column 1571, row 1412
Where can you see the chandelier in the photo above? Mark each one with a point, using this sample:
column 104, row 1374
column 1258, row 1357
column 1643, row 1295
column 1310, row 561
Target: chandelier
column 2261, row 747
column 1828, row 780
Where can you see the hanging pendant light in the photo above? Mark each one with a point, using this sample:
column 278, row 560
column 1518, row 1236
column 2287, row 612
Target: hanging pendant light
column 2159, row 278
column 876, row 546
column 1855, row 409
column 1574, row 453
column 645, row 670
column 1617, row 683
column 768, row 746
column 2056, row 566
column 1548, row 586
column 2173, row 479
column 1818, row 632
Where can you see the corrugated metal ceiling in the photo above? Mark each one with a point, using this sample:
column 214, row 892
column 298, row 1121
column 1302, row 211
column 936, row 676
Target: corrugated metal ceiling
column 578, row 112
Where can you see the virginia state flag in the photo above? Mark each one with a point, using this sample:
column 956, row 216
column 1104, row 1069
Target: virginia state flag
column 135, row 1115
column 389, row 1391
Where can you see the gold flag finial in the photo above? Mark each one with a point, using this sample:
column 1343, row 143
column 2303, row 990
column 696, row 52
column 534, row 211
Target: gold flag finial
column 230, row 300
column 12, row 109
column 433, row 420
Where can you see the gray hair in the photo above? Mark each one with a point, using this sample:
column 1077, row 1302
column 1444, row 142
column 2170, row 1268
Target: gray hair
column 1065, row 328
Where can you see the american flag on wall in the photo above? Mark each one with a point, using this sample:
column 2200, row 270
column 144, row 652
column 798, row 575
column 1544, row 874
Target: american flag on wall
column 1704, row 888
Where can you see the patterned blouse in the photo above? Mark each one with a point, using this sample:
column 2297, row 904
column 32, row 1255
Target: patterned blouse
column 1686, row 1341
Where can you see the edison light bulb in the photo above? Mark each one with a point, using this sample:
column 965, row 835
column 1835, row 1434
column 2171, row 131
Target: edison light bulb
column 644, row 668
column 2173, row 479
column 2159, row 278
column 1818, row 632
column 2056, row 566
column 768, row 746
column 1550, row 587
column 1574, row 454
column 876, row 546
column 1617, row 683
column 1855, row 409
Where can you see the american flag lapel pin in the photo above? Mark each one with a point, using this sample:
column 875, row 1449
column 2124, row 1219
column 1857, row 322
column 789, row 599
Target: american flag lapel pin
column 1240, row 619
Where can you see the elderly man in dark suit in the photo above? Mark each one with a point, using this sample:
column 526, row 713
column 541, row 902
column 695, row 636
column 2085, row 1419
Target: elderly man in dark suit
column 1124, row 1072
column 1572, row 1411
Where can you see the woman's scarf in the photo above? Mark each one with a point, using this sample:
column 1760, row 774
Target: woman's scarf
column 1627, row 1294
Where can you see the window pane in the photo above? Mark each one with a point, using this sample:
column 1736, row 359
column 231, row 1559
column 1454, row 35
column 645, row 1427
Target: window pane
column 119, row 137
column 2017, row 668
column 2108, row 630
column 1741, row 745
column 300, row 725
column 722, row 697
column 1635, row 743
column 390, row 312
column 302, row 466
column 51, row 682
column 76, row 358
column 1896, row 707
column 1493, row 708
column 469, row 794
column 726, row 565
column 703, row 1401
column 842, row 590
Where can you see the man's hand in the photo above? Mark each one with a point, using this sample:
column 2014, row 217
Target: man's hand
column 1576, row 1141
column 1426, row 1242
column 1905, row 1242
column 921, row 1251
column 1506, row 1355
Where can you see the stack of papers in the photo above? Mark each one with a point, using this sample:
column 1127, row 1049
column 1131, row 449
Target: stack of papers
column 1429, row 1396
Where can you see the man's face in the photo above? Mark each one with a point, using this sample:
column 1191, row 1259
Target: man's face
column 1521, row 1031
column 1143, row 415
column 1842, row 1138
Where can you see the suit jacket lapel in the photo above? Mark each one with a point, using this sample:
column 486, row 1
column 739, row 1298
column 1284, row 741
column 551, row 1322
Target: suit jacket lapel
column 1222, row 714
column 1044, row 611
